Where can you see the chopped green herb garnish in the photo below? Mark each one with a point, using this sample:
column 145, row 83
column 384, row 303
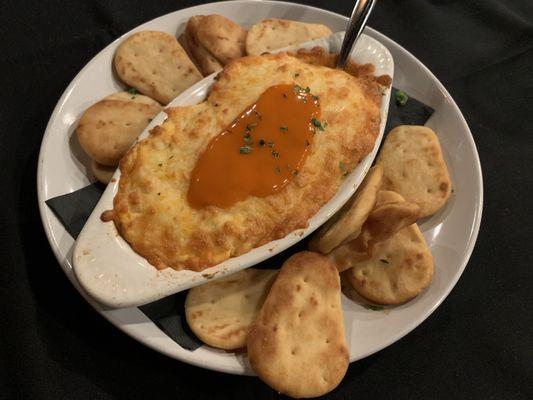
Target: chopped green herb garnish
column 250, row 126
column 262, row 142
column 247, row 137
column 372, row 307
column 278, row 169
column 270, row 143
column 245, row 150
column 342, row 166
column 315, row 98
column 275, row 153
column 383, row 261
column 259, row 116
column 321, row 126
column 298, row 88
column 307, row 89
column 401, row 98
column 132, row 90
column 283, row 128
column 295, row 172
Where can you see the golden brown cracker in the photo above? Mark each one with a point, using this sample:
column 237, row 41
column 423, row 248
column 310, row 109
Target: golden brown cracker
column 387, row 219
column 217, row 35
column 272, row 34
column 413, row 166
column 346, row 224
column 391, row 213
column 398, row 270
column 107, row 129
column 297, row 343
column 155, row 63
column 207, row 63
column 220, row 312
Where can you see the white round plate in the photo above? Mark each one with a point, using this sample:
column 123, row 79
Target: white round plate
column 450, row 234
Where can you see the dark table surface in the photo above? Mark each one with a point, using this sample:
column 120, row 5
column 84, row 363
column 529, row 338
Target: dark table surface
column 479, row 343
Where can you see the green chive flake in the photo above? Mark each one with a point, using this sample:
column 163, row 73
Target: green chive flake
column 401, row 98
column 283, row 128
column 319, row 125
column 245, row 150
column 250, row 126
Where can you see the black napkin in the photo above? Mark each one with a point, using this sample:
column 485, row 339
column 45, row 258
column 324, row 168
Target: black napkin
column 73, row 209
column 168, row 314
column 413, row 112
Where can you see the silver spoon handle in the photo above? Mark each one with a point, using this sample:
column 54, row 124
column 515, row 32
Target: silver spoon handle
column 357, row 22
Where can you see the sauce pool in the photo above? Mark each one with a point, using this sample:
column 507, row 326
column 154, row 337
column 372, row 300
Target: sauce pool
column 260, row 152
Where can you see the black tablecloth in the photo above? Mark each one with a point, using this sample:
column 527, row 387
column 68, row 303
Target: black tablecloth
column 477, row 345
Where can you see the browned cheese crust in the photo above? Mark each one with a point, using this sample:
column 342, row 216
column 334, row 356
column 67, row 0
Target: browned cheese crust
column 151, row 208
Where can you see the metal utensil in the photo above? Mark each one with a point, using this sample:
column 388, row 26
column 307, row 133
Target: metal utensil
column 360, row 13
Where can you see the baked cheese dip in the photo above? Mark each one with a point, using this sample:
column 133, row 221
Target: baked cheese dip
column 260, row 156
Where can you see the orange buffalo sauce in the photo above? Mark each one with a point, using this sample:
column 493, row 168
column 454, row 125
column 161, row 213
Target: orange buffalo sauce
column 260, row 152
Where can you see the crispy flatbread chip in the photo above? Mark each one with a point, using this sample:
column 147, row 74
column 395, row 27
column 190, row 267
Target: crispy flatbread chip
column 220, row 312
column 347, row 223
column 272, row 34
column 399, row 269
column 206, row 62
column 155, row 63
column 297, row 343
column 390, row 214
column 414, row 167
column 217, row 35
column 107, row 129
